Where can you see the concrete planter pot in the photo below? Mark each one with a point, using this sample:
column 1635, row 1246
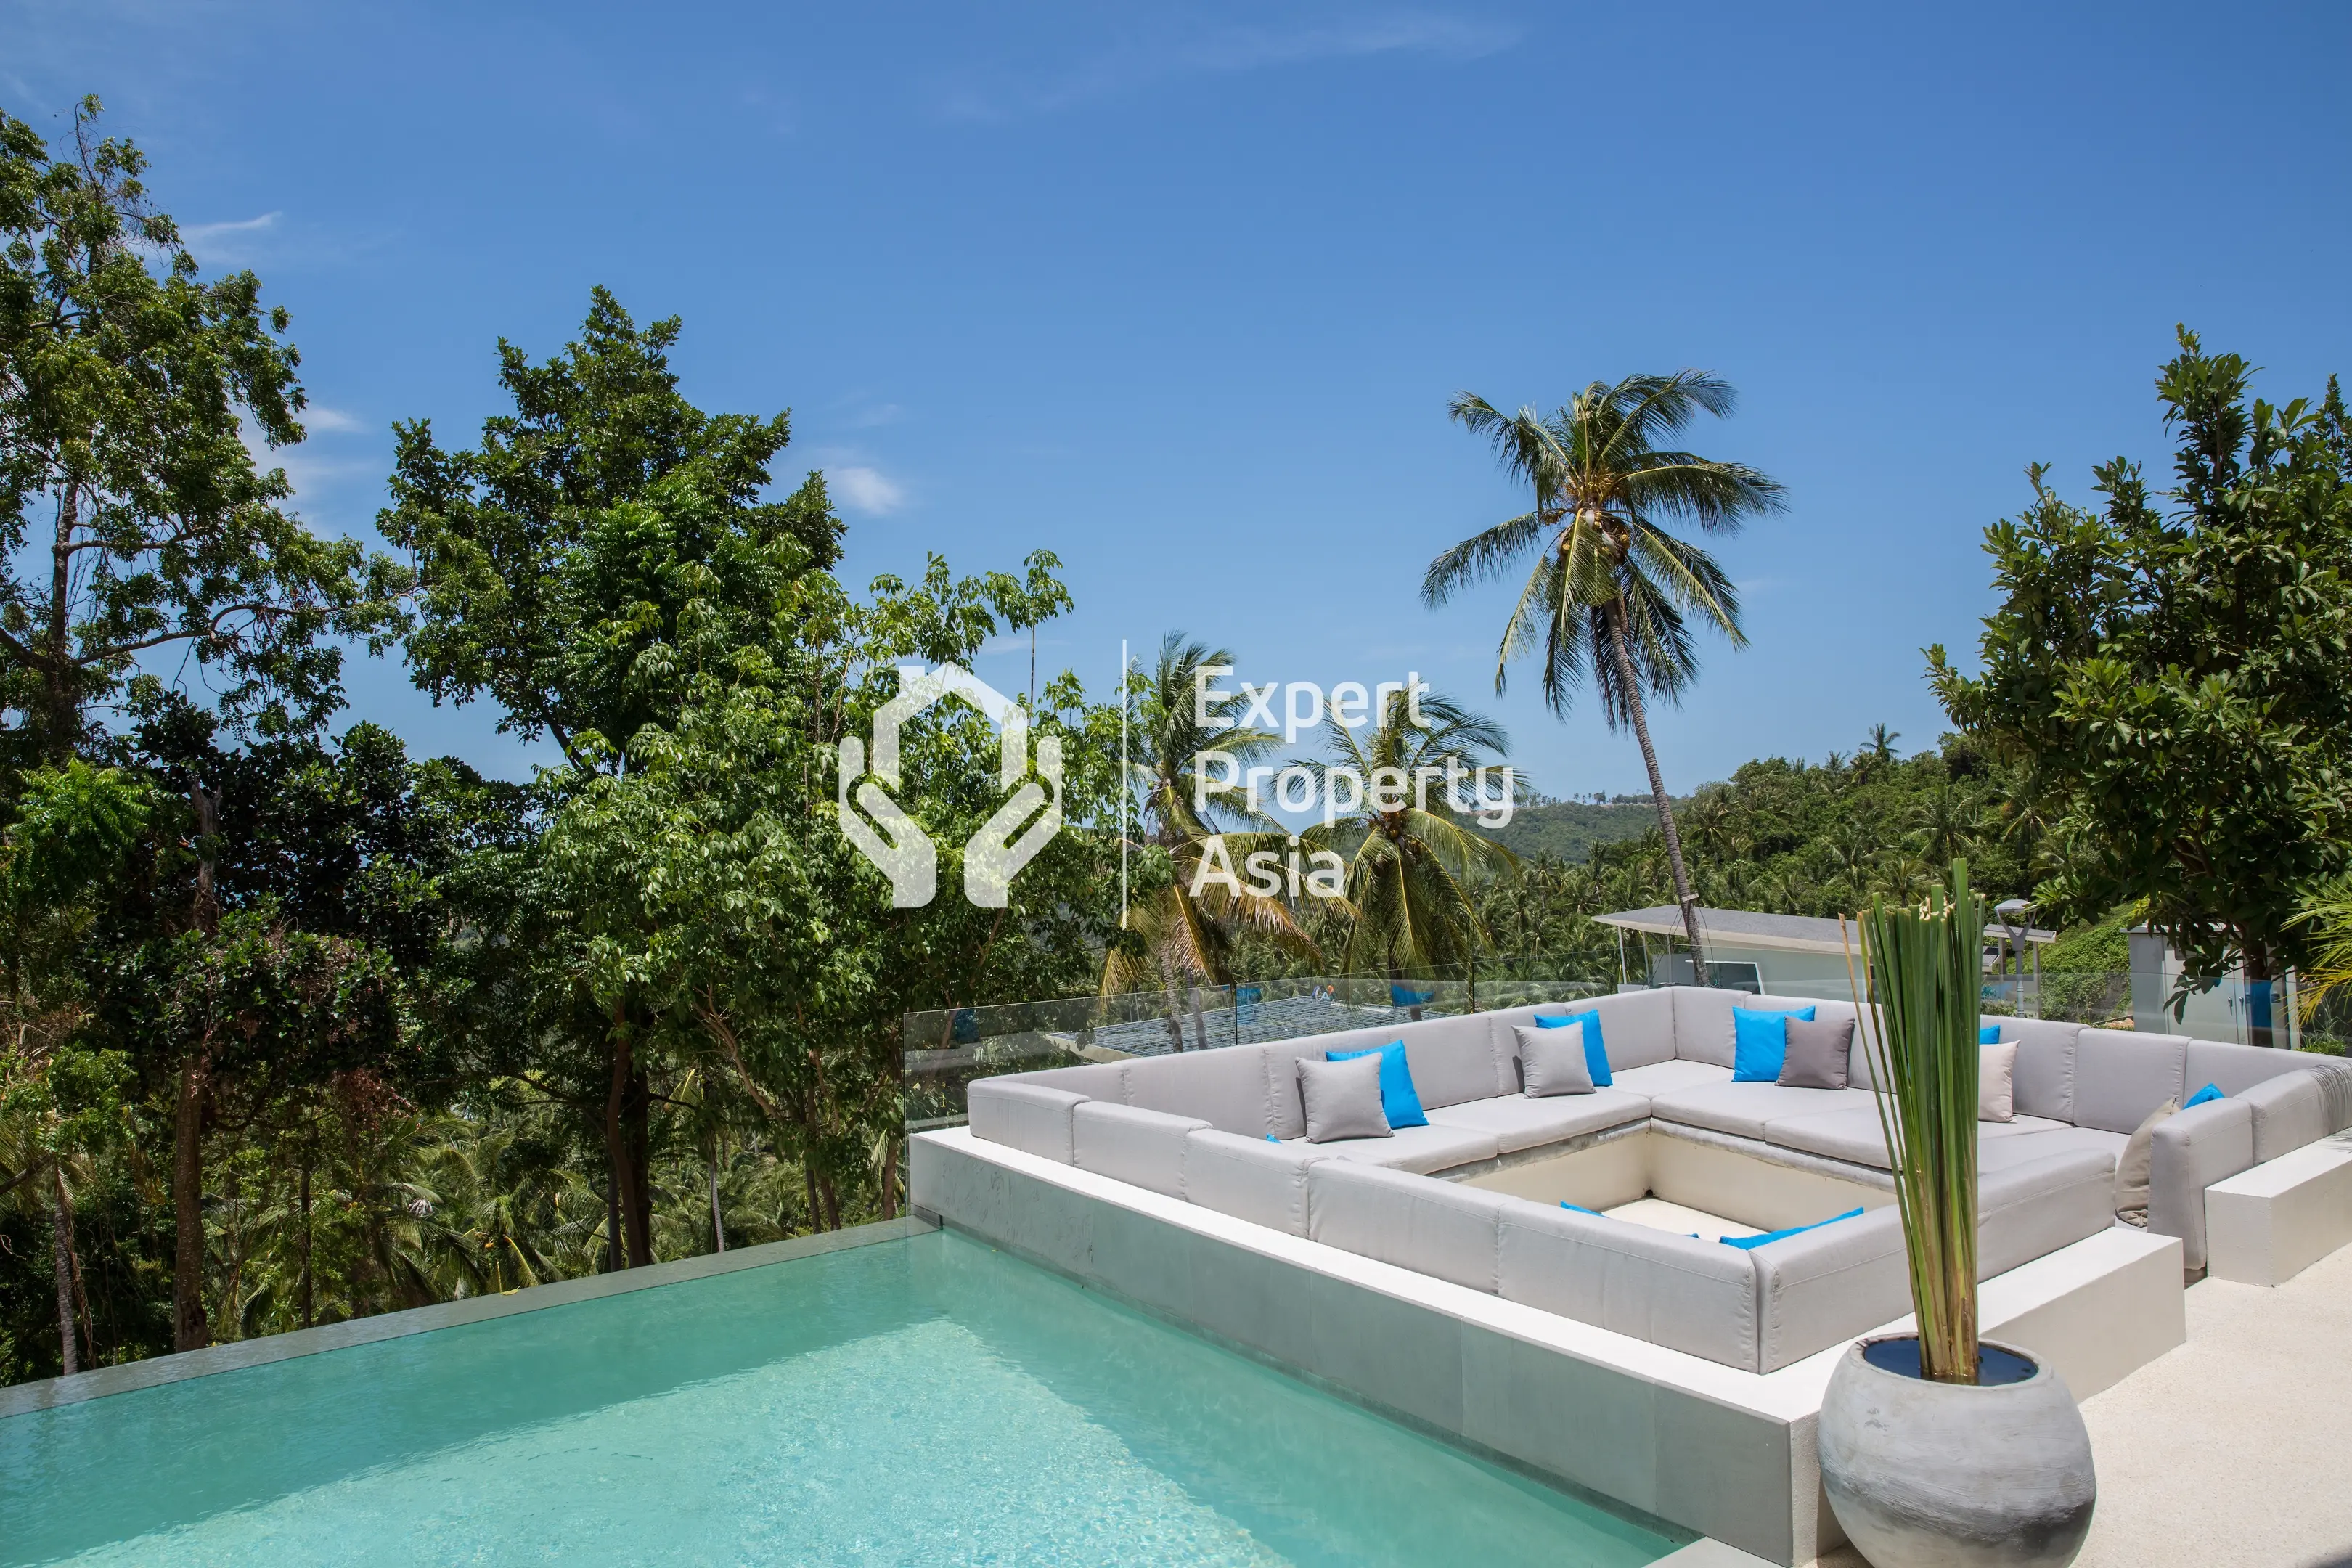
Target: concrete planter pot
column 1937, row 1474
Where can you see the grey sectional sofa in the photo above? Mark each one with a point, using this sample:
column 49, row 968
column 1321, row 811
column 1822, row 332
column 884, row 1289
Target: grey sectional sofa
column 1224, row 1128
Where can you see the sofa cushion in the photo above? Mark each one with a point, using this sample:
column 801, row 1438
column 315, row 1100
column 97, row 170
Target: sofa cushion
column 1828, row 1285
column 2289, row 1111
column 1453, row 1059
column 1142, row 1147
column 2003, row 1153
column 1022, row 1115
column 1637, row 1026
column 1436, row 1147
column 1438, row 1229
column 2029, row 1210
column 2133, row 1166
column 1687, row 1295
column 1744, row 1108
column 1286, row 1118
column 2121, row 1075
column 1552, row 1062
column 1343, row 1099
column 1249, row 1178
column 1659, row 1078
column 2044, row 1077
column 1997, row 1081
column 1095, row 1080
column 1224, row 1087
column 1515, row 1122
column 2188, row 1153
column 1852, row 1135
column 1703, row 1023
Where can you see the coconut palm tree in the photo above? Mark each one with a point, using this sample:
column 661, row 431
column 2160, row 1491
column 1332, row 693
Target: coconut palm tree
column 1184, row 804
column 1411, row 854
column 1612, row 593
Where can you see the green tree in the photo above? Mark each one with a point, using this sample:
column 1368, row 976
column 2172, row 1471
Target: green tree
column 1613, row 592
column 2176, row 685
column 1412, row 865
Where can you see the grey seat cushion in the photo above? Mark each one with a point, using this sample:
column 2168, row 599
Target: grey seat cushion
column 2035, row 1207
column 1422, row 1150
column 1744, row 1108
column 1661, row 1077
column 1438, row 1229
column 2018, row 1127
column 1516, row 1122
column 1852, row 1134
column 2004, row 1153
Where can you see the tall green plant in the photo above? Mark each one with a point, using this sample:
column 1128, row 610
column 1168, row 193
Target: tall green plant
column 1923, row 964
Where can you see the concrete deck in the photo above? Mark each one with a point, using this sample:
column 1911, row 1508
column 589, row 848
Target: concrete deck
column 2230, row 1449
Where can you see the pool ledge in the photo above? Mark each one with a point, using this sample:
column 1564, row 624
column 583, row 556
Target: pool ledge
column 158, row 1370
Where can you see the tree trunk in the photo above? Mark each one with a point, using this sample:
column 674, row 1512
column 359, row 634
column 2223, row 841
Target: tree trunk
column 623, row 1111
column 189, row 1329
column 636, row 1199
column 61, row 1257
column 307, row 1317
column 1630, row 678
column 59, row 693
column 718, row 1226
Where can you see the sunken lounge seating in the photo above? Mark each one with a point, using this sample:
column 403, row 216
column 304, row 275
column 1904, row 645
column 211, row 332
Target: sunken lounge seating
column 1474, row 1197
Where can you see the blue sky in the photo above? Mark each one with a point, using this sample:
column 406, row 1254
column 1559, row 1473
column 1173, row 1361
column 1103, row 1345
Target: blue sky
column 1181, row 295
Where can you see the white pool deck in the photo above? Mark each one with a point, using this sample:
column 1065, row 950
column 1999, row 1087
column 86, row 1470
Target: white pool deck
column 2230, row 1448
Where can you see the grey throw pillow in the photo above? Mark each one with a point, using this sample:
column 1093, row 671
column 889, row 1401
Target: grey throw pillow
column 2132, row 1165
column 1342, row 1100
column 1817, row 1054
column 1552, row 1062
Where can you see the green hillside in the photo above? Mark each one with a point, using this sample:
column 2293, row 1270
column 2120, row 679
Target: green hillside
column 1568, row 829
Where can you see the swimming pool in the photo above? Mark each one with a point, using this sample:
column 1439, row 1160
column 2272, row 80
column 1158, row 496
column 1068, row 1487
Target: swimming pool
column 919, row 1402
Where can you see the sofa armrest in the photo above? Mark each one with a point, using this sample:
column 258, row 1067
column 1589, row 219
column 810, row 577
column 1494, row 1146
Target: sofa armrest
column 2187, row 1154
column 1025, row 1116
column 1128, row 1143
column 1829, row 1285
column 2290, row 1110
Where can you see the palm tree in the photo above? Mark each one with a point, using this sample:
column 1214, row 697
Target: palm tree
column 1611, row 588
column 1880, row 746
column 1183, row 802
column 1411, row 858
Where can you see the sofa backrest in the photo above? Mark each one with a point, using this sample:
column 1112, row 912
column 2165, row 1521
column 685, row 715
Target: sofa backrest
column 1637, row 1027
column 2042, row 1082
column 2237, row 1069
column 2121, row 1075
column 1673, row 1291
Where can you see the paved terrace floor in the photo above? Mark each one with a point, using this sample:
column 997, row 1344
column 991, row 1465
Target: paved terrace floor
column 2230, row 1451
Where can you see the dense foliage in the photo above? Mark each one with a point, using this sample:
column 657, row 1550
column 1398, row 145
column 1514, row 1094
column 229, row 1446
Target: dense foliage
column 300, row 1027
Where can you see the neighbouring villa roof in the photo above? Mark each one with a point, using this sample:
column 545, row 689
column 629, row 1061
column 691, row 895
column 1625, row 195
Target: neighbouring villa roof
column 1792, row 933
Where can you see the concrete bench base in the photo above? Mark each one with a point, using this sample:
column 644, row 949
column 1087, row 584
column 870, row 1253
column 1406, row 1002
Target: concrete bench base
column 2265, row 1226
column 1725, row 1453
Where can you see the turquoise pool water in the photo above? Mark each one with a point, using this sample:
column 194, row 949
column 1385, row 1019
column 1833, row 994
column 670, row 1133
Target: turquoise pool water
column 917, row 1402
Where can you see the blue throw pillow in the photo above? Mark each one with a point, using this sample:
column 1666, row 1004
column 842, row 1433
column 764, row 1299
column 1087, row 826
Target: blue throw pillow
column 1400, row 1102
column 1596, row 1055
column 2210, row 1091
column 1760, row 1041
column 1579, row 1208
column 1989, row 1033
column 1746, row 1243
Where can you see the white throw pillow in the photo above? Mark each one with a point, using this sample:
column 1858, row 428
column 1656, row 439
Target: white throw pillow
column 1996, row 1081
column 2132, row 1166
column 1342, row 1100
column 1552, row 1061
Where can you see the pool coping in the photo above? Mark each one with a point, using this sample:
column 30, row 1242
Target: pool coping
column 156, row 1371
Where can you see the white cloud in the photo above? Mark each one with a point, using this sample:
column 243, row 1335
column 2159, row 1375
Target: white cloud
column 864, row 490
column 317, row 420
column 226, row 242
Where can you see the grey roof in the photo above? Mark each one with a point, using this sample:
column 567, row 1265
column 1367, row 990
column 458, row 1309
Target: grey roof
column 1796, row 933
